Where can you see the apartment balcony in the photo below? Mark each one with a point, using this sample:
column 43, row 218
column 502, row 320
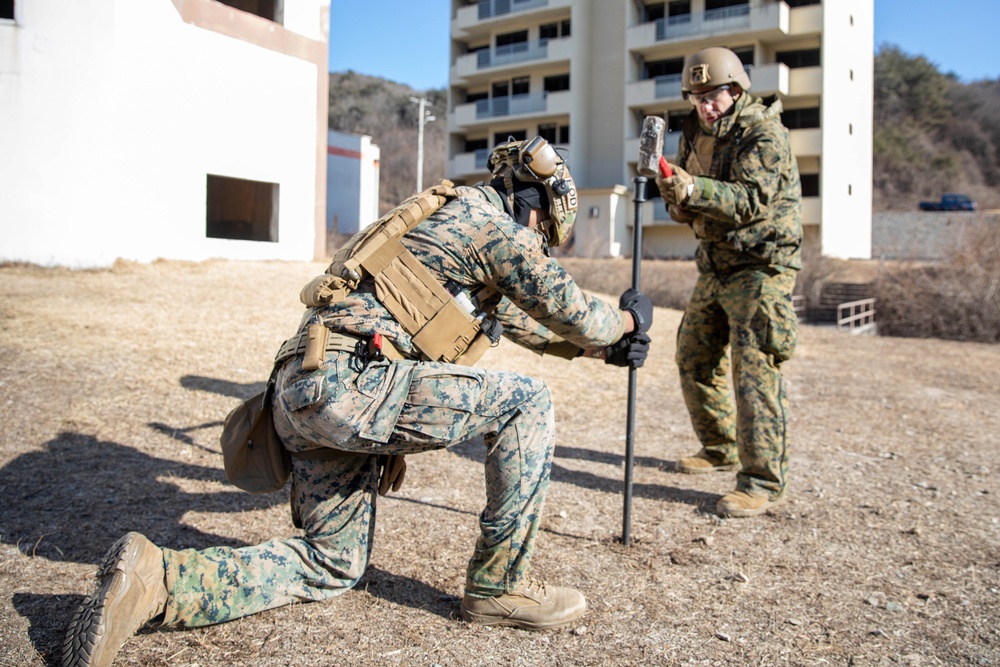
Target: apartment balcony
column 483, row 112
column 489, row 62
column 469, row 165
column 771, row 20
column 487, row 16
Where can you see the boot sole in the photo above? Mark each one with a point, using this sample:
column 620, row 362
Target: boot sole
column 484, row 619
column 702, row 471
column 89, row 623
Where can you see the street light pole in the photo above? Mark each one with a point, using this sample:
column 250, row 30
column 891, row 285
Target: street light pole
column 423, row 117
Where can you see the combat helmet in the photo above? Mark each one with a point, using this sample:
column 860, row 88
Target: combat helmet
column 710, row 68
column 536, row 162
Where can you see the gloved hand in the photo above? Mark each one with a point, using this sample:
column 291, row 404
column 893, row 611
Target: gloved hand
column 674, row 190
column 630, row 351
column 681, row 214
column 637, row 303
column 392, row 470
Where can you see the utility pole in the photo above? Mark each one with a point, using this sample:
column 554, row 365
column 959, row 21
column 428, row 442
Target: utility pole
column 423, row 117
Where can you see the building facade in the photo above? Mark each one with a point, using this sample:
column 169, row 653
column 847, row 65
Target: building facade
column 584, row 74
column 176, row 129
column 352, row 174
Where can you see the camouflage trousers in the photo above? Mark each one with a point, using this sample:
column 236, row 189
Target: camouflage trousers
column 751, row 314
column 402, row 407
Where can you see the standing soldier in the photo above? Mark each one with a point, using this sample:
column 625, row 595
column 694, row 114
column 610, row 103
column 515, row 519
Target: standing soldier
column 737, row 185
column 381, row 384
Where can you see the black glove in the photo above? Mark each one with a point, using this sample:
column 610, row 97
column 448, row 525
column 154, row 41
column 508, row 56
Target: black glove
column 637, row 303
column 630, row 351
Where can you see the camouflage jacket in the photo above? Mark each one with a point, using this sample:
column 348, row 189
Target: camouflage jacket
column 747, row 209
column 472, row 242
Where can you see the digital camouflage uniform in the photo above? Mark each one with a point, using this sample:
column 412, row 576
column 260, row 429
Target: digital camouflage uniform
column 404, row 407
column 746, row 213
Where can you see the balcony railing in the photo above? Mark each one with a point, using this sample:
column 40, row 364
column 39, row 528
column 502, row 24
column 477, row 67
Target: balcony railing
column 668, row 85
column 490, row 8
column 511, row 105
column 512, row 53
column 739, row 17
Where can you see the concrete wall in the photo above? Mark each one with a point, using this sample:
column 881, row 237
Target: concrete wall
column 352, row 179
column 115, row 112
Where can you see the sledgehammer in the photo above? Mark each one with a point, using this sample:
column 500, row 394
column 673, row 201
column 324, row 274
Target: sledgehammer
column 650, row 160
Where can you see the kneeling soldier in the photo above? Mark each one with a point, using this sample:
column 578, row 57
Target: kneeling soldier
column 388, row 380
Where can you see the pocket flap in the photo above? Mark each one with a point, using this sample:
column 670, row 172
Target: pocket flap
column 307, row 391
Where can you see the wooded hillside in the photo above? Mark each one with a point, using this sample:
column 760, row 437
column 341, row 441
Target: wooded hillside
column 933, row 133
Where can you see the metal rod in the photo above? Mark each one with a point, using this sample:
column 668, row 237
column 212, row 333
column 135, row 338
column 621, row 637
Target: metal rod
column 639, row 200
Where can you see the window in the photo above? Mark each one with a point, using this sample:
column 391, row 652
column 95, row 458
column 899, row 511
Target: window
column 553, row 84
column 802, row 58
column 501, row 89
column 473, row 145
column 723, row 4
column 801, row 3
column 657, row 68
column 745, row 54
column 475, row 97
column 675, row 120
column 7, row 10
column 520, row 86
column 510, row 38
column 653, row 12
column 554, row 133
column 512, row 135
column 241, row 209
column 810, row 185
column 548, row 31
column 679, row 11
column 271, row 10
column 798, row 119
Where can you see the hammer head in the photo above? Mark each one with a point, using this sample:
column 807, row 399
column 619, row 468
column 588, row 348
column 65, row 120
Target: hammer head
column 650, row 145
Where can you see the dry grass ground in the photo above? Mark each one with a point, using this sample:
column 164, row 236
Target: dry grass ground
column 114, row 384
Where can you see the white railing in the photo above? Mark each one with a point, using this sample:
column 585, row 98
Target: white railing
column 512, row 53
column 510, row 105
column 798, row 303
column 491, row 8
column 856, row 316
column 668, row 85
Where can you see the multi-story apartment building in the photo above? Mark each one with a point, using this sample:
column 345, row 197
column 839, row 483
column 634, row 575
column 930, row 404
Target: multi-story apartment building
column 584, row 74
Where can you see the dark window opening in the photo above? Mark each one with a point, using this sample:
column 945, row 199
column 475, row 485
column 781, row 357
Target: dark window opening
column 552, row 84
column 554, row 134
column 520, row 86
column 803, row 58
column 513, row 135
column 473, row 145
column 475, row 97
column 7, row 9
column 519, row 37
column 657, row 68
column 810, row 185
column 679, row 8
column 653, row 12
column 745, row 54
column 802, row 3
column 799, row 119
column 723, row 4
column 501, row 89
column 240, row 209
column 549, row 31
column 675, row 120
column 271, row 10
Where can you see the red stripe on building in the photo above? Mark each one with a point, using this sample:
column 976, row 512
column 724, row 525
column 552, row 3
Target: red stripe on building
column 343, row 152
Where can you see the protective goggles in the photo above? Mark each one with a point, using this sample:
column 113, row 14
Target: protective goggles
column 696, row 99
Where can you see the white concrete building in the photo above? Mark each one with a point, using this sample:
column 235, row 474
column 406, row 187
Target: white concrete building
column 178, row 129
column 352, row 173
column 584, row 74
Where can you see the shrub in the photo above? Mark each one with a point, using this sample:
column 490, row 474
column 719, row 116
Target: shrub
column 957, row 299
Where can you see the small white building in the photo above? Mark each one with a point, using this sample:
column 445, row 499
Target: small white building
column 352, row 176
column 177, row 129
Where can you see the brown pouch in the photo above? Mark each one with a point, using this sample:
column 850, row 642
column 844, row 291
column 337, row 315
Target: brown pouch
column 253, row 455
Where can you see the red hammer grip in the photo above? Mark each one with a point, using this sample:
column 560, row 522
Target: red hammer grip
column 665, row 170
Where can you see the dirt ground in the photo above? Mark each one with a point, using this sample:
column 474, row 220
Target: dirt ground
column 114, row 384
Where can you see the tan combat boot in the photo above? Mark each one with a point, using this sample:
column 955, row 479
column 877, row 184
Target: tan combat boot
column 740, row 504
column 703, row 462
column 130, row 591
column 533, row 606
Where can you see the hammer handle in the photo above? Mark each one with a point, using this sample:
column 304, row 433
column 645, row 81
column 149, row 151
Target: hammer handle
column 665, row 170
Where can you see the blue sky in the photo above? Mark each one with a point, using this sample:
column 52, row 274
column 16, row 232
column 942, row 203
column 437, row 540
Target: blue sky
column 407, row 40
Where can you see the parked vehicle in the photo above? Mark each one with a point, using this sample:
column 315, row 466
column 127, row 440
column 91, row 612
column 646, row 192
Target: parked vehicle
column 950, row 201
